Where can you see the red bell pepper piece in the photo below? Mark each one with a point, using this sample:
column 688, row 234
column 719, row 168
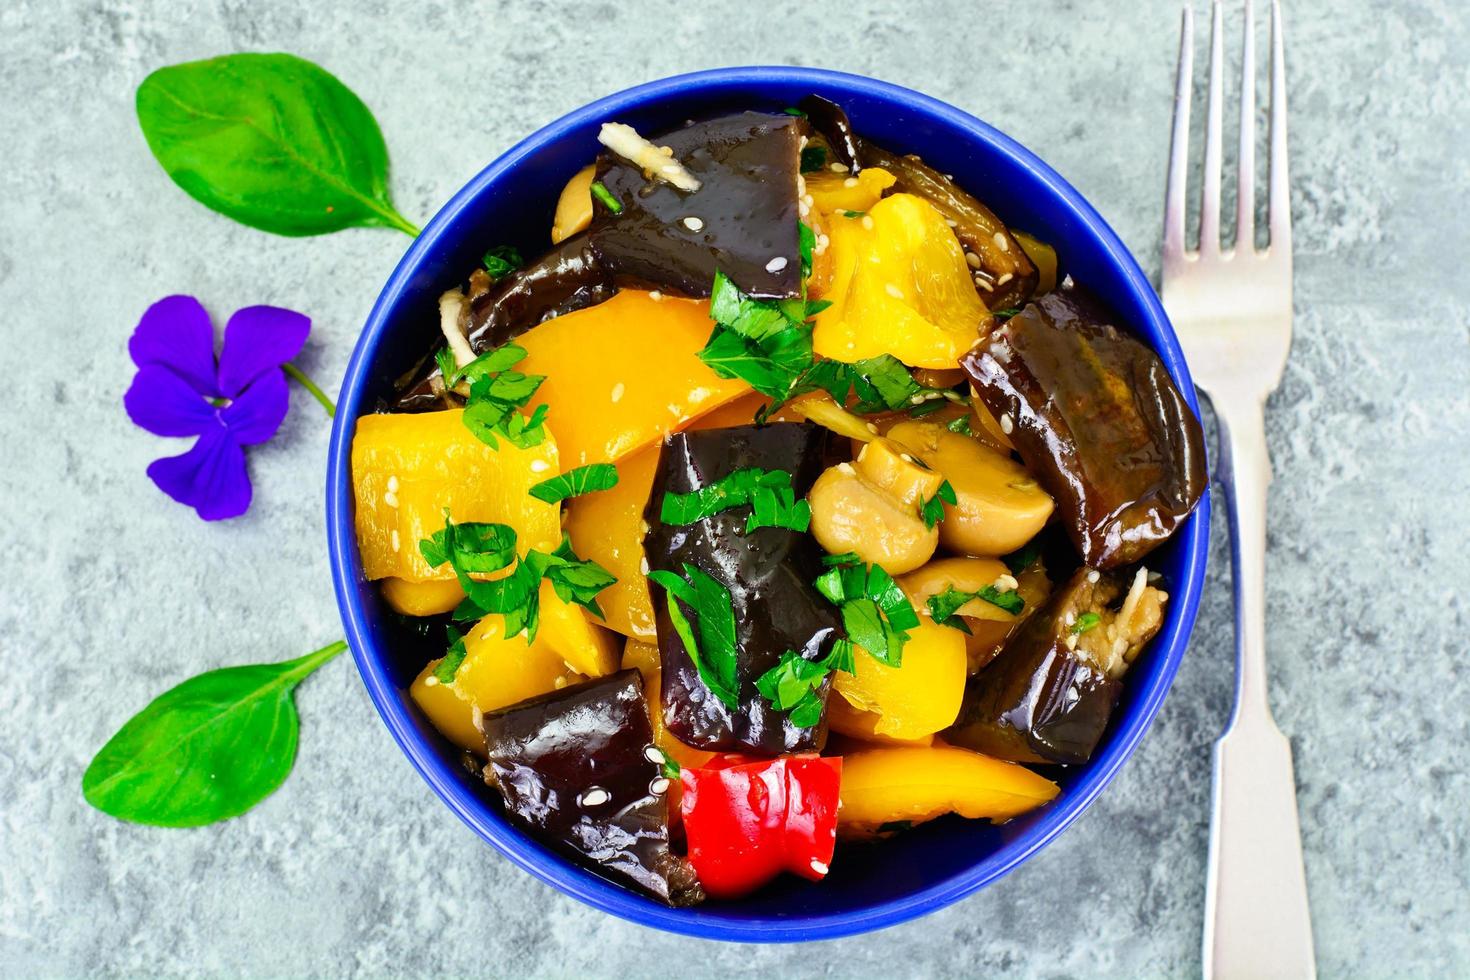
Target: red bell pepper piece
column 747, row 820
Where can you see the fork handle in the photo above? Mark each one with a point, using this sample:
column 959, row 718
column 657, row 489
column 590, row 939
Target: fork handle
column 1257, row 921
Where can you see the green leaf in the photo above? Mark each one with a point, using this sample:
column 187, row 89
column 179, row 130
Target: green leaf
column 713, row 655
column 875, row 611
column 600, row 191
column 502, row 260
column 207, row 750
column 768, row 493
column 813, row 158
column 1085, row 622
column 1023, row 557
column 944, row 605
column 806, row 240
column 575, row 482
column 852, row 214
column 961, row 425
column 271, row 140
column 792, row 684
column 449, row 667
column 933, row 509
column 497, row 394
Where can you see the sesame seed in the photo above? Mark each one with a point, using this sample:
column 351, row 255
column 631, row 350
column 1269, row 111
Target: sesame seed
column 659, row 786
column 539, row 466
column 1093, row 576
column 1005, row 278
column 984, row 284
column 818, row 867
column 1006, row 583
column 867, row 222
column 643, row 565
column 808, row 200
column 846, row 468
column 1070, row 618
column 1072, row 641
column 392, row 484
column 850, row 182
column 872, row 428
column 617, row 391
column 656, row 296
column 951, row 222
column 390, row 498
column 776, row 264
column 972, row 260
column 800, row 184
column 693, row 223
column 654, row 754
column 893, row 291
column 1000, row 241
column 431, row 681
column 1006, row 425
column 559, row 683
column 596, row 796
column 802, row 208
column 393, row 538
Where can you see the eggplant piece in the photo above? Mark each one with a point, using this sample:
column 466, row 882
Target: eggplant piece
column 567, row 278
column 576, row 768
column 742, row 220
column 1006, row 276
column 768, row 572
column 1096, row 418
column 1049, row 694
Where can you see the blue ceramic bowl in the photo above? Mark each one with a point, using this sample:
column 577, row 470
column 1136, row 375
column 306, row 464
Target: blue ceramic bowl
column 512, row 200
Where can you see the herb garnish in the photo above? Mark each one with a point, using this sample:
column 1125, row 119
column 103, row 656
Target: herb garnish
column 806, row 241
column 1085, row 622
column 713, row 654
column 961, row 425
column 768, row 493
column 933, row 509
column 944, row 605
column 813, row 158
column 879, row 384
column 1005, row 314
column 792, row 684
column 1023, row 557
column 852, row 214
column 453, row 657
column 575, row 482
column 874, row 609
column 484, row 548
column 497, row 394
column 600, row 191
column 793, row 111
column 502, row 260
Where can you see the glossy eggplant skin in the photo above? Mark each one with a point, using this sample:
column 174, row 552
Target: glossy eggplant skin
column 574, row 769
column 567, row 278
column 1009, row 277
column 769, row 574
column 1097, row 419
column 742, row 220
column 1040, row 700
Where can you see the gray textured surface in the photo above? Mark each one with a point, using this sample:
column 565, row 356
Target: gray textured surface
column 113, row 592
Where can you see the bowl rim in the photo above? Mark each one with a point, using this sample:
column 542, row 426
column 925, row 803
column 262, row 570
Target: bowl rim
column 561, row 873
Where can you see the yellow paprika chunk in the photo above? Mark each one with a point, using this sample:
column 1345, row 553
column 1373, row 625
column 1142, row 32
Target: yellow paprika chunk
column 622, row 374
column 407, row 469
column 497, row 670
column 644, row 656
column 900, row 784
column 900, row 286
column 844, row 719
column 422, row 598
column 919, row 697
column 574, row 634
column 833, row 193
column 607, row 527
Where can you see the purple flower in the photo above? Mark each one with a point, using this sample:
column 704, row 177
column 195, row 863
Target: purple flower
column 237, row 400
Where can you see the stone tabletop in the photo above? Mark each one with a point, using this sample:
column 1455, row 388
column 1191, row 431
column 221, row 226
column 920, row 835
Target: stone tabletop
column 113, row 593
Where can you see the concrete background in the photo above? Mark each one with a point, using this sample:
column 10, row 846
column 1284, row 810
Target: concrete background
column 113, row 592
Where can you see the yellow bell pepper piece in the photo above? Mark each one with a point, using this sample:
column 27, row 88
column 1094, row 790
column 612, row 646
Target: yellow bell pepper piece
column 888, row 785
column 919, row 697
column 844, row 719
column 607, row 527
column 407, row 469
column 834, row 192
column 900, row 286
column 622, row 374
column 422, row 598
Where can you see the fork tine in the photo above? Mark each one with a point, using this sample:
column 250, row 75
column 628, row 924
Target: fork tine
column 1209, row 203
column 1174, row 192
column 1245, row 195
column 1280, row 214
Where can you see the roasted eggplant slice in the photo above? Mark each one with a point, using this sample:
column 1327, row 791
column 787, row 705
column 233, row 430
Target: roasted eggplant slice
column 578, row 768
column 567, row 278
column 1049, row 694
column 1097, row 419
column 768, row 572
column 742, row 220
column 1006, row 276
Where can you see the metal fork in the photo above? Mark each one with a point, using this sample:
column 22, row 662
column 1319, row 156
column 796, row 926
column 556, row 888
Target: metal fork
column 1232, row 310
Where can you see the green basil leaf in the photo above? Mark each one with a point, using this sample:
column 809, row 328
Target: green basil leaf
column 271, row 140
column 207, row 750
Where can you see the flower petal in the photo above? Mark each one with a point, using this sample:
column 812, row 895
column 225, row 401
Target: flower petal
column 257, row 339
column 256, row 415
column 211, row 477
column 164, row 404
column 176, row 333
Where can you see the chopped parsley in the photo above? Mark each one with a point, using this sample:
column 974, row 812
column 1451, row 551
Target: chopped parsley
column 669, row 767
column 933, row 509
column 879, row 384
column 503, row 260
column 1085, row 622
column 946, row 604
column 874, row 609
column 806, row 241
column 575, row 482
column 813, row 158
column 793, row 111
column 852, row 214
column 453, row 657
column 792, row 684
column 1006, row 313
column 713, row 653
column 1023, row 557
column 600, row 191
column 482, row 548
column 497, row 394
column 963, row 427
column 768, row 493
